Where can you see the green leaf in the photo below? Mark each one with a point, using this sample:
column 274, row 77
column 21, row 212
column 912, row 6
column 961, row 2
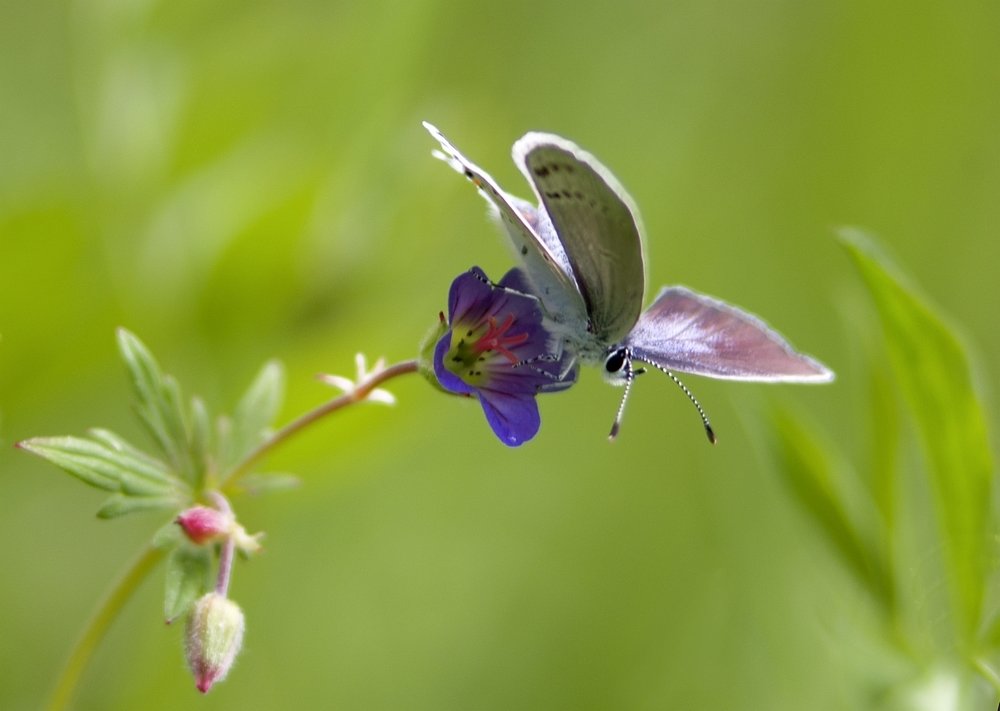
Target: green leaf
column 101, row 466
column 187, row 578
column 933, row 373
column 158, row 402
column 810, row 475
column 54, row 449
column 119, row 505
column 139, row 460
column 257, row 410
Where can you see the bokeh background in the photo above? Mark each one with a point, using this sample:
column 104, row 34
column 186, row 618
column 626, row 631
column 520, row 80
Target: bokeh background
column 235, row 181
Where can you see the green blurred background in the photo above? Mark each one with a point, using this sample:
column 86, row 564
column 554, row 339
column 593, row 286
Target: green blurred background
column 235, row 181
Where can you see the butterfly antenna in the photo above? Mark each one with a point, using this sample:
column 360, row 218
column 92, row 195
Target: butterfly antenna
column 629, row 377
column 694, row 401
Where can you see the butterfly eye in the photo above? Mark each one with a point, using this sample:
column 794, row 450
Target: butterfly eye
column 616, row 361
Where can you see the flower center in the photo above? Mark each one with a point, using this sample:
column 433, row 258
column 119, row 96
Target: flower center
column 496, row 339
column 473, row 349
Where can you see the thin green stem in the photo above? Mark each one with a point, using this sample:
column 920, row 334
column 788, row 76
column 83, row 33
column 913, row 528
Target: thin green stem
column 359, row 393
column 100, row 622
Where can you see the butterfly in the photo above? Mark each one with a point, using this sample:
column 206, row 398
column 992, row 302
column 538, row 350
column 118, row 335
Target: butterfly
column 582, row 250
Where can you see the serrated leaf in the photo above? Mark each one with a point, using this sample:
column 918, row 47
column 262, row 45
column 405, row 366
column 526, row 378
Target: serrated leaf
column 97, row 464
column 809, row 473
column 158, row 402
column 261, row 483
column 121, row 504
column 53, row 450
column 187, row 578
column 139, row 461
column 933, row 373
column 257, row 409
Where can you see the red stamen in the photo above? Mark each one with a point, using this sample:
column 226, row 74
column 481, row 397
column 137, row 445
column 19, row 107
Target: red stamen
column 495, row 339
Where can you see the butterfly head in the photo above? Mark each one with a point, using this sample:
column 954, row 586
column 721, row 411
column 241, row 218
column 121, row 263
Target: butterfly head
column 618, row 370
column 618, row 366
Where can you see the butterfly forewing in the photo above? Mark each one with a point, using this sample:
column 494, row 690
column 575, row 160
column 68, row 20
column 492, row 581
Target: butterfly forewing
column 531, row 235
column 692, row 333
column 597, row 225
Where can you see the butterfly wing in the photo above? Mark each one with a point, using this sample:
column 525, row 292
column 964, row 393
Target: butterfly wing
column 597, row 225
column 531, row 235
column 692, row 333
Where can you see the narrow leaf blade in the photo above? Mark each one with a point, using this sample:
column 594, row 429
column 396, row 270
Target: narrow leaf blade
column 808, row 471
column 94, row 464
column 158, row 401
column 187, row 577
column 933, row 373
column 257, row 409
column 120, row 504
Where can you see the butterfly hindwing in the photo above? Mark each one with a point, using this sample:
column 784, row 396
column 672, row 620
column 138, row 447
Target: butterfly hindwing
column 693, row 333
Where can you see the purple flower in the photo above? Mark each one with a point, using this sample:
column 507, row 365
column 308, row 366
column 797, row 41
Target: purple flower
column 497, row 349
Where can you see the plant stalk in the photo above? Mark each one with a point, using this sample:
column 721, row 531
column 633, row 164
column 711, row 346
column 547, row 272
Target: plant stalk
column 97, row 627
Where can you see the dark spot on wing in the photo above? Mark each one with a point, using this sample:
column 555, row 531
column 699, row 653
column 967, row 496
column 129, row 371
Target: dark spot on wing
column 542, row 172
column 552, row 194
column 524, row 249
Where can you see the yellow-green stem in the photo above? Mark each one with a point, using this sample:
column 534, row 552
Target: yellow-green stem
column 358, row 394
column 100, row 622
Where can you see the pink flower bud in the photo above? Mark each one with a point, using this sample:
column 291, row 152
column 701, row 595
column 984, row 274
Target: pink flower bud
column 214, row 636
column 202, row 524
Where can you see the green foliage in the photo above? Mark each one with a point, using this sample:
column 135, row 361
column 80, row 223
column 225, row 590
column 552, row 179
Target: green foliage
column 933, row 373
column 185, row 470
column 187, row 464
column 108, row 462
column 160, row 408
column 811, row 476
column 188, row 573
column 930, row 368
column 255, row 413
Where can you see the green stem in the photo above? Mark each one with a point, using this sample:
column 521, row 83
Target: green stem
column 98, row 626
column 360, row 392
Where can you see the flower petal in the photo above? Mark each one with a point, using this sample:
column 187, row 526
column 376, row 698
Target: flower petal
column 470, row 297
column 514, row 418
column 515, row 280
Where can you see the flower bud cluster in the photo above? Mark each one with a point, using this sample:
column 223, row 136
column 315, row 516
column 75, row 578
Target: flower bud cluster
column 215, row 624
